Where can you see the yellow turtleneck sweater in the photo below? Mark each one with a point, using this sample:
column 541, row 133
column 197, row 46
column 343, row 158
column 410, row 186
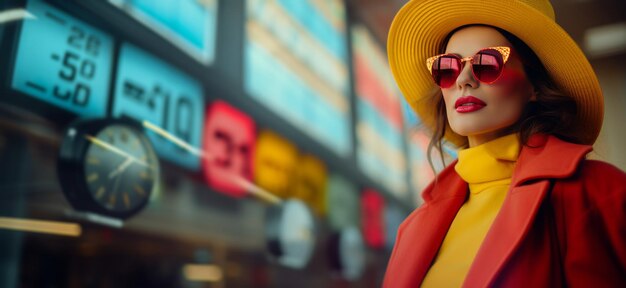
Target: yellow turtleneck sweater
column 487, row 169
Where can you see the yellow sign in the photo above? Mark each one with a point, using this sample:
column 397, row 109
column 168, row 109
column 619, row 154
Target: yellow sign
column 274, row 163
column 310, row 183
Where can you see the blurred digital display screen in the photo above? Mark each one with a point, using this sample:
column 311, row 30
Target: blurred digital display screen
column 343, row 203
column 373, row 209
column 275, row 161
column 229, row 140
column 309, row 183
column 393, row 218
column 379, row 127
column 146, row 88
column 63, row 61
column 421, row 173
column 295, row 63
column 189, row 24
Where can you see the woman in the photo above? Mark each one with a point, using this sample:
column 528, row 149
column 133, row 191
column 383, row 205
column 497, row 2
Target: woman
column 521, row 206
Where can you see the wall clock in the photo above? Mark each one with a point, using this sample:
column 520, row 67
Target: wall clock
column 290, row 233
column 107, row 166
column 347, row 253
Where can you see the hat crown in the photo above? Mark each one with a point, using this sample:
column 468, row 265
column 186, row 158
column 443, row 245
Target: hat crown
column 543, row 6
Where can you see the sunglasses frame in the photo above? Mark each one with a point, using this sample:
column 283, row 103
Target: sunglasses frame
column 504, row 51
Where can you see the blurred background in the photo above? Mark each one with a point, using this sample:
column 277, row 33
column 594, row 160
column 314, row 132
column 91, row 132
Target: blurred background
column 222, row 143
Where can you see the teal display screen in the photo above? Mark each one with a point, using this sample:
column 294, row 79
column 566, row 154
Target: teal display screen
column 63, row 61
column 189, row 24
column 149, row 89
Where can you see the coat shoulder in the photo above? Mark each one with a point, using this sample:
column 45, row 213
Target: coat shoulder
column 597, row 180
column 601, row 169
column 603, row 181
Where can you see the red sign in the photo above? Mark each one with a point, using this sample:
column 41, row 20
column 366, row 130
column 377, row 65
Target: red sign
column 229, row 138
column 372, row 205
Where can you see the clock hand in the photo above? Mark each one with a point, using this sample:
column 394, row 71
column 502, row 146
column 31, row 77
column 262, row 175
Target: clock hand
column 253, row 189
column 116, row 184
column 15, row 14
column 115, row 150
column 179, row 142
column 121, row 168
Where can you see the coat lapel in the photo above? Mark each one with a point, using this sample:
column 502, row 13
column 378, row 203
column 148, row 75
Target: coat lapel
column 506, row 233
column 434, row 220
column 550, row 158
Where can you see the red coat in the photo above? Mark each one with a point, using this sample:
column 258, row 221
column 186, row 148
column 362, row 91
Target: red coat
column 574, row 235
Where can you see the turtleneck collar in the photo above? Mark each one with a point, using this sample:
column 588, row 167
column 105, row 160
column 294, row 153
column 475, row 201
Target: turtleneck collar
column 489, row 164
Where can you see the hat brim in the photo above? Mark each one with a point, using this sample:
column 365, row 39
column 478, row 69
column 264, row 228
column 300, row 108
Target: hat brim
column 420, row 27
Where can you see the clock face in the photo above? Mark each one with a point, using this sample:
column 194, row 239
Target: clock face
column 351, row 253
column 107, row 167
column 119, row 168
column 290, row 233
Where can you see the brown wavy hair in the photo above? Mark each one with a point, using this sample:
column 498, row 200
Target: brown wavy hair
column 552, row 113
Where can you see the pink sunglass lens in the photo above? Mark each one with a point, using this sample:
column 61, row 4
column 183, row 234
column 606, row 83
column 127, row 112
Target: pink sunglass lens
column 445, row 70
column 487, row 66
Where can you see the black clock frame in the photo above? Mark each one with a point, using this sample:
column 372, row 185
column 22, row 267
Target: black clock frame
column 71, row 163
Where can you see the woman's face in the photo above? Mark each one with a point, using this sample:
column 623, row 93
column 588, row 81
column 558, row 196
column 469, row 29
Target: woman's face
column 503, row 100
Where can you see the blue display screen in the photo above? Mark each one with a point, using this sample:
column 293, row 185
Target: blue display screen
column 63, row 61
column 189, row 24
column 149, row 89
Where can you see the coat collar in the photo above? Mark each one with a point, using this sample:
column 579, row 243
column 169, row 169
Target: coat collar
column 548, row 157
column 543, row 158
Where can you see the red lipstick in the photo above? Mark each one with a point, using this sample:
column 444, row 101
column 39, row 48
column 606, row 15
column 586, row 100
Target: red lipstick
column 468, row 104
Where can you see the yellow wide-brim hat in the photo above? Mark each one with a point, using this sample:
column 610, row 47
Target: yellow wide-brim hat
column 420, row 27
